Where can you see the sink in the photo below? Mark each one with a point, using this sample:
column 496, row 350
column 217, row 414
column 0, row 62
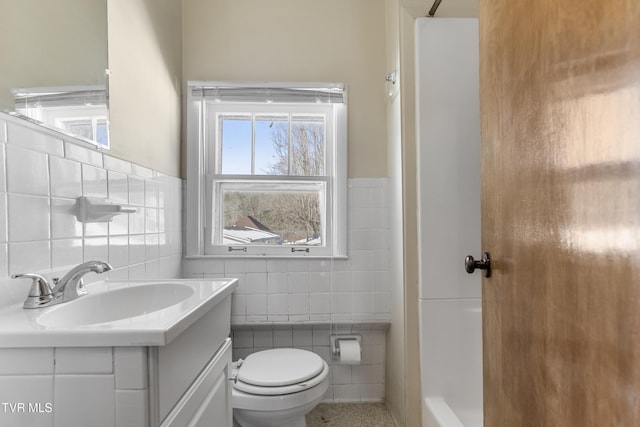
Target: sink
column 117, row 313
column 116, row 304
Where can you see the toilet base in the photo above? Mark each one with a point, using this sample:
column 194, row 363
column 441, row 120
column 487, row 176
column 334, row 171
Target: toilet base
column 294, row 418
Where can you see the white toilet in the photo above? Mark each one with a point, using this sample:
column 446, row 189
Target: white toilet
column 277, row 387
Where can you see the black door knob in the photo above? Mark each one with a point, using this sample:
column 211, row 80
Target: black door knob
column 484, row 264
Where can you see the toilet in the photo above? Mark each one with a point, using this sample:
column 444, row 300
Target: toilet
column 277, row 387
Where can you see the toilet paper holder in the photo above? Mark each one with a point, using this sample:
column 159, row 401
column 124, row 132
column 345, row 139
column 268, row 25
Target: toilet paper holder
column 335, row 343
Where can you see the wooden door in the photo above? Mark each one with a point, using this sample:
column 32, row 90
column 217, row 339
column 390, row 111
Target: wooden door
column 560, row 118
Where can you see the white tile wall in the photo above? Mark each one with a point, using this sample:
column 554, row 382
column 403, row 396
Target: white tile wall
column 66, row 177
column 38, row 233
column 115, row 164
column 26, row 361
column 40, row 178
column 27, row 171
column 3, row 174
column 315, row 290
column 348, row 383
column 289, row 303
column 84, row 400
column 90, row 360
column 130, row 368
column 29, row 218
column 19, row 390
column 131, row 408
column 3, row 218
column 25, row 137
column 98, row 386
column 82, row 155
column 27, row 257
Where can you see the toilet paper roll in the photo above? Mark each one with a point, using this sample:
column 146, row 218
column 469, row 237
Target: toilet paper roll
column 349, row 352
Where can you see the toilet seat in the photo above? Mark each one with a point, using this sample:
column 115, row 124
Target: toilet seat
column 279, row 371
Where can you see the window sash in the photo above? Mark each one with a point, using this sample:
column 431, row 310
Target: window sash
column 200, row 177
column 291, row 120
column 216, row 185
column 214, row 110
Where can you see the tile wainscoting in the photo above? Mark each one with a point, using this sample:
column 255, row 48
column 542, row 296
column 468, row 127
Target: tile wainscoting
column 347, row 383
column 97, row 386
column 41, row 175
column 310, row 290
column 279, row 302
column 295, row 302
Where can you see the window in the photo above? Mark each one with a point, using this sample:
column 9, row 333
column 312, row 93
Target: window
column 266, row 170
column 78, row 110
column 93, row 128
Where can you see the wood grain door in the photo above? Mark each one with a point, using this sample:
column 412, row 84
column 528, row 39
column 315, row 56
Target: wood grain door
column 560, row 117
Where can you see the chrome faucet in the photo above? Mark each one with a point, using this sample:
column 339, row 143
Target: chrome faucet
column 71, row 285
column 66, row 289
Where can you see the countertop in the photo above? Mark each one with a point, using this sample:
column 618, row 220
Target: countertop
column 25, row 328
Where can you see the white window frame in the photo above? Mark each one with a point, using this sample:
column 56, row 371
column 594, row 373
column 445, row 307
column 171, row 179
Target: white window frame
column 202, row 206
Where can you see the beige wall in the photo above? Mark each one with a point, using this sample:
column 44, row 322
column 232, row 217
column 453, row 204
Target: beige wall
column 51, row 43
column 66, row 42
column 410, row 221
column 299, row 40
column 395, row 377
column 145, row 61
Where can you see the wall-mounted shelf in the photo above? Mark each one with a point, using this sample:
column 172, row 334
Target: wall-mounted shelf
column 90, row 209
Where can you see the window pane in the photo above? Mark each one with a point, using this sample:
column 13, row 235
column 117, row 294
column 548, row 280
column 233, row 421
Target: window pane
column 102, row 132
column 272, row 145
column 307, row 145
column 235, row 137
column 81, row 127
column 272, row 218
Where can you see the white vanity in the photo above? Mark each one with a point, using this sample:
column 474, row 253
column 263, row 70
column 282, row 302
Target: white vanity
column 150, row 353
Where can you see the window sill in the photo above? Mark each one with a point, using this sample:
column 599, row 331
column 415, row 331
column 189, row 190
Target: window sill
column 232, row 256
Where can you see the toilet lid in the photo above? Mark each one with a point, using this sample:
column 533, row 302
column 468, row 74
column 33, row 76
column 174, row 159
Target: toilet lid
column 280, row 367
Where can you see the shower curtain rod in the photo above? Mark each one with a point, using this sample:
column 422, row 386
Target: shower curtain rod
column 435, row 6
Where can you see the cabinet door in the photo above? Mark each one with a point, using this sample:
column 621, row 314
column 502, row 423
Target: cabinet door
column 217, row 405
column 178, row 369
column 208, row 400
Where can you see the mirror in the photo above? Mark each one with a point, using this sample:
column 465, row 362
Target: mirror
column 54, row 62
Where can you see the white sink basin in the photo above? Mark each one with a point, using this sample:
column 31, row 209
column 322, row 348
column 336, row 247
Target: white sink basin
column 116, row 304
column 118, row 313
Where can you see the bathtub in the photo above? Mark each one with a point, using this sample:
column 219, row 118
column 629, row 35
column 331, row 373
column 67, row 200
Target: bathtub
column 451, row 362
column 437, row 413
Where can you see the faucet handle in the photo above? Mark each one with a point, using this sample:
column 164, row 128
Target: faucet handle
column 39, row 285
column 40, row 292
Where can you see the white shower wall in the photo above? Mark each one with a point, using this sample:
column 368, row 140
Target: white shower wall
column 448, row 108
column 41, row 174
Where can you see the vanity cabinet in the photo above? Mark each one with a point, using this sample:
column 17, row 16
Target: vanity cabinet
column 208, row 400
column 184, row 382
column 189, row 377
